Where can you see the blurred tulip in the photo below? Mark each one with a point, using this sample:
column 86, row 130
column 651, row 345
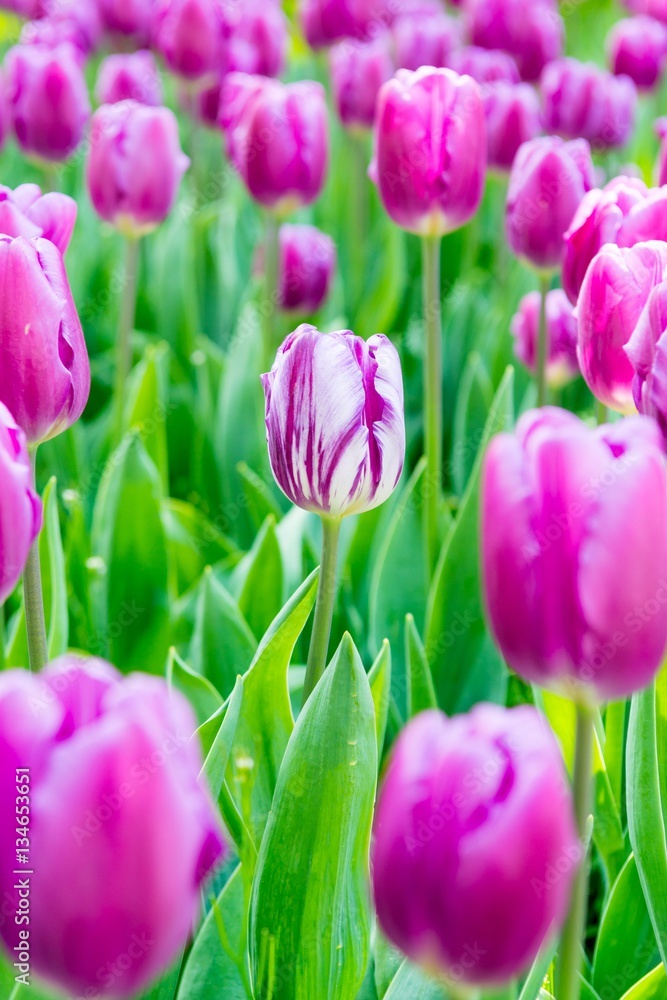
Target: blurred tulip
column 613, row 294
column 532, row 32
column 75, row 21
column 188, row 34
column 548, row 180
column 203, row 105
column 562, row 365
column 135, row 165
column 129, row 76
column 358, row 70
column 652, row 8
column 306, row 269
column 327, row 21
column 276, row 138
column 48, row 100
column 430, row 150
column 21, row 508
column 564, row 506
column 647, row 352
column 661, row 132
column 425, row 37
column 339, row 398
column 27, row 212
column 637, row 47
column 583, row 101
column 485, row 65
column 512, row 113
column 255, row 37
column 44, row 369
column 128, row 17
column 473, row 814
column 124, row 833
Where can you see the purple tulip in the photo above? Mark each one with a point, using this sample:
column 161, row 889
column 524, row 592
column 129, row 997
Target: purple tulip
column 203, row 105
column 255, row 37
column 647, row 351
column 583, row 101
column 75, row 21
column 474, row 814
column 48, row 100
column 613, row 294
column 27, row 212
column 425, row 37
column 430, row 150
column 188, row 34
column 128, row 17
column 358, row 70
column 562, row 364
column 513, row 117
column 334, row 420
column 652, row 8
column 129, row 76
column 135, row 165
column 327, row 21
column 637, row 47
column 44, row 369
column 485, row 65
column 122, row 835
column 564, row 506
column 276, row 138
column 531, row 32
column 21, row 508
column 307, row 266
column 548, row 180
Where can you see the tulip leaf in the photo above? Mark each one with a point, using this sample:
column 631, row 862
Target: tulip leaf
column 531, row 988
column 166, row 986
column 146, row 408
column 652, row 987
column 316, row 845
column 388, row 961
column 379, row 678
column 194, row 542
column 411, row 982
column 223, row 645
column 257, row 581
column 473, row 402
column 465, row 665
column 199, row 691
column 217, row 758
column 421, row 694
column 259, row 498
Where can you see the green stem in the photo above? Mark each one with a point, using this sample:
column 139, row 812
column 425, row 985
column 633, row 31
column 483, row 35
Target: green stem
column 324, row 607
column 432, row 394
column 600, row 412
column 542, row 342
column 271, row 278
column 569, row 967
column 359, row 222
column 34, row 601
column 128, row 308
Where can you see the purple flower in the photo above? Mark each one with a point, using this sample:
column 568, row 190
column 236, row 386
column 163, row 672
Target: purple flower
column 637, row 47
column 27, row 212
column 75, row 21
column 647, row 351
column 358, row 70
column 334, row 420
column 307, row 267
column 512, row 113
column 531, row 32
column 583, row 101
column 562, row 364
column 485, row 65
column 129, row 76
column 653, row 8
column 327, row 21
column 425, row 37
column 21, row 508
column 255, row 37
column 128, row 17
column 188, row 34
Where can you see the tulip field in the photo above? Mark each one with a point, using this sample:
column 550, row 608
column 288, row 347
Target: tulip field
column 333, row 499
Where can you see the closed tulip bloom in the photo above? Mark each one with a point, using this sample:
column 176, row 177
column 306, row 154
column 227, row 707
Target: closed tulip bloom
column 532, row 32
column 21, row 508
column 277, row 138
column 307, row 267
column 75, row 21
column 44, row 368
column 485, row 65
column 358, row 70
column 652, row 8
column 129, row 76
column 27, row 212
column 614, row 292
column 188, row 34
column 255, row 37
column 473, row 814
column 513, row 117
column 425, row 37
column 334, row 421
column 430, row 150
column 647, row 352
column 128, row 17
column 562, row 364
column 548, row 180
column 48, row 100
column 123, row 830
column 135, row 165
column 583, row 101
column 327, row 21
column 637, row 47
column 564, row 506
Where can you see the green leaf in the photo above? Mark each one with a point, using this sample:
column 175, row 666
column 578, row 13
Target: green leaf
column 315, row 849
column 165, row 988
column 217, row 758
column 651, row 987
column 199, row 691
column 421, row 694
column 222, row 645
column 388, row 961
column 532, row 986
column 147, row 406
column 379, row 678
column 260, row 500
column 194, row 542
column 473, row 402
column 411, row 982
column 257, row 581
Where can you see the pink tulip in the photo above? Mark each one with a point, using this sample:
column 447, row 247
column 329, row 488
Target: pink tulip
column 203, row 105
column 653, row 8
column 583, row 101
column 562, row 364
column 637, row 47
column 485, row 65
column 128, row 17
column 512, row 113
column 531, row 32
column 307, row 266
column 129, row 76
column 255, row 37
column 647, row 352
column 75, row 21
column 27, row 212
column 188, row 35
column 358, row 70
column 327, row 21
column 425, row 37
column 21, row 508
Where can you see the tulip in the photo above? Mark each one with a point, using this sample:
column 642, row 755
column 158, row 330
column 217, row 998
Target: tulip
column 129, row 76
column 637, row 47
column 485, row 65
column 652, row 8
column 512, row 115
column 48, row 100
column 614, row 292
column 327, row 21
column 358, row 70
column 473, row 814
column 255, row 36
column 21, row 508
column 203, row 105
column 188, row 34
column 531, row 32
column 425, row 37
column 561, row 364
column 75, row 21
column 128, row 17
column 661, row 131
column 583, row 101
column 646, row 351
column 27, row 212
column 122, row 834
column 307, row 266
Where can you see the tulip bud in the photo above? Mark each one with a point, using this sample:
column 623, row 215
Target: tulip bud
column 512, row 113
column 583, row 101
column 555, row 496
column 548, row 180
column 327, row 21
column 44, row 369
column 307, row 266
column 130, row 76
column 358, row 70
column 27, row 212
column 334, row 421
column 188, row 34
column 48, row 100
column 652, row 8
column 485, row 65
column 75, row 21
column 637, row 47
column 562, row 364
column 613, row 294
column 21, row 508
column 276, row 138
column 128, row 17
column 135, row 165
column 255, row 36
column 532, row 32
column 647, row 352
column 123, row 832
column 475, row 846
column 425, row 37
column 430, row 150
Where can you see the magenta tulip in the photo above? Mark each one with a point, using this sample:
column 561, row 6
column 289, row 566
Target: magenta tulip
column 75, row 21
column 188, row 34
column 358, row 70
column 307, row 267
column 474, row 814
column 562, row 365
column 334, row 421
column 583, row 101
column 276, row 138
column 548, row 180
column 564, row 506
column 203, row 105
column 122, row 834
column 652, row 8
column 430, row 150
column 129, row 76
column 425, row 37
column 255, row 37
column 327, row 21
column 485, row 65
column 637, row 47
column 647, row 352
column 531, row 32
column 135, row 165
column 128, row 17
column 613, row 294
column 512, row 113
column 21, row 508
column 27, row 212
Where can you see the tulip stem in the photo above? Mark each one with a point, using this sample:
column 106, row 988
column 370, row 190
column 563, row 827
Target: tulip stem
column 324, row 607
column 128, row 308
column 271, row 277
column 432, row 394
column 33, row 599
column 359, row 223
column 542, row 342
column 600, row 412
column 570, row 954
